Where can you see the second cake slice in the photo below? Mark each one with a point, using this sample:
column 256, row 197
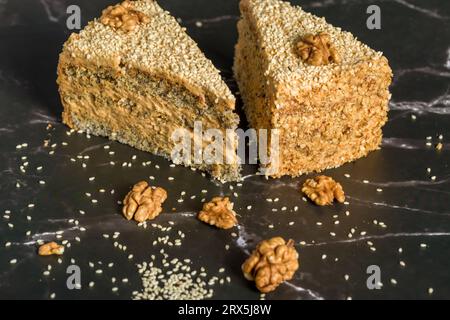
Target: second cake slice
column 325, row 92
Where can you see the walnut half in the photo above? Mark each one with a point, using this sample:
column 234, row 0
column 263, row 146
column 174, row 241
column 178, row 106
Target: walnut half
column 218, row 212
column 123, row 17
column 323, row 190
column 51, row 248
column 317, row 50
column 273, row 262
column 143, row 202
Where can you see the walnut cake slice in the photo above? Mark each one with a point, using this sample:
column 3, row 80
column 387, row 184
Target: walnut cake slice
column 325, row 92
column 135, row 76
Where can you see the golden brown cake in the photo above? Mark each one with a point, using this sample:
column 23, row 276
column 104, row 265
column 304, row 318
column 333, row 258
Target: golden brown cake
column 325, row 92
column 135, row 76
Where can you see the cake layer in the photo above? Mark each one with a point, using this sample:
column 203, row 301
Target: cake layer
column 138, row 110
column 326, row 114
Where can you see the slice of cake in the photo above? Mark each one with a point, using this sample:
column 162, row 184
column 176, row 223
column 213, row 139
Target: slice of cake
column 135, row 76
column 325, row 92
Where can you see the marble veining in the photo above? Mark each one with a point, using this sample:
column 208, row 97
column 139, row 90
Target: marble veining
column 384, row 236
column 396, row 214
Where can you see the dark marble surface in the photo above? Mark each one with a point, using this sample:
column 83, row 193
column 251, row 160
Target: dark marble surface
column 411, row 212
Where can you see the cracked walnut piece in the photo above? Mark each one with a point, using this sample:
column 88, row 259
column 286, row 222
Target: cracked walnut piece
column 51, row 248
column 323, row 190
column 123, row 17
column 273, row 262
column 218, row 212
column 143, row 202
column 317, row 50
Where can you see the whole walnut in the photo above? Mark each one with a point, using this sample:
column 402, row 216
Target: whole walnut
column 218, row 212
column 143, row 202
column 323, row 190
column 273, row 262
column 51, row 248
column 123, row 17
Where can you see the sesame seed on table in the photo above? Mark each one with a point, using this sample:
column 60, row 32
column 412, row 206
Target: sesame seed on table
column 66, row 186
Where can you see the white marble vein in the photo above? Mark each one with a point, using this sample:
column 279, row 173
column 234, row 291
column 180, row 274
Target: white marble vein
column 54, row 9
column 447, row 63
column 95, row 147
column 242, row 239
column 427, row 12
column 397, row 207
column 39, row 117
column 439, row 105
column 407, row 183
column 45, row 235
column 310, row 293
column 425, row 70
column 214, row 19
column 377, row 237
column 408, row 144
